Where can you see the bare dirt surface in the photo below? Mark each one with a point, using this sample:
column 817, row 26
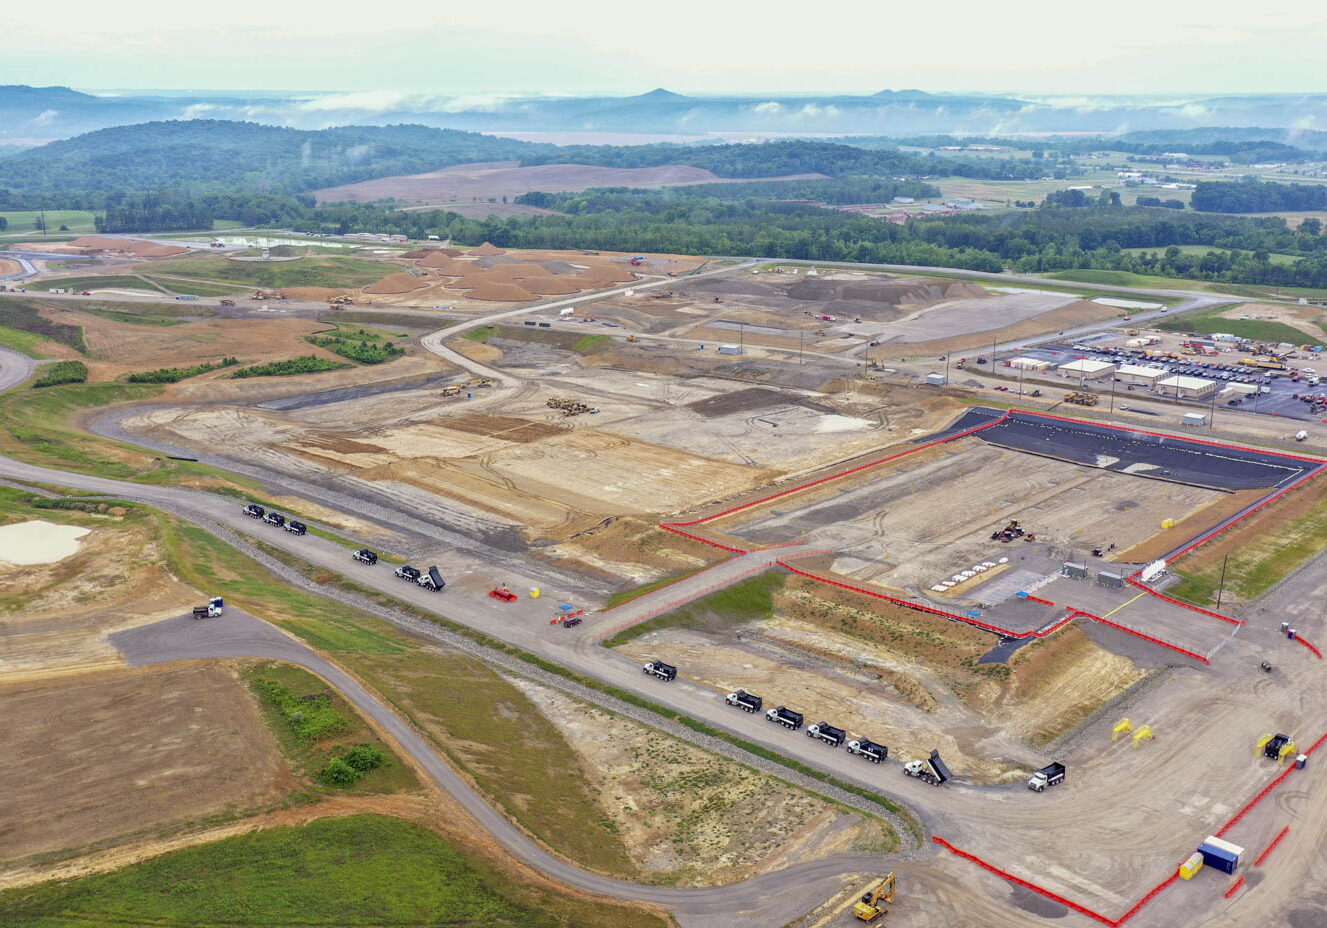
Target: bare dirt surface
column 135, row 750
column 508, row 179
column 1056, row 319
column 9, row 267
column 689, row 818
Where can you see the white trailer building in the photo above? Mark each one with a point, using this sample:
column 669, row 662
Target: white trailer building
column 1138, row 374
column 1085, row 370
column 1187, row 388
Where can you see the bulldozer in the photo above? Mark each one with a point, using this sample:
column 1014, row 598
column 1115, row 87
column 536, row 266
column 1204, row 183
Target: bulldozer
column 868, row 909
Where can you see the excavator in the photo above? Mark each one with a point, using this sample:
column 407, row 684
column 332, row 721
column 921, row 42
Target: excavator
column 869, row 909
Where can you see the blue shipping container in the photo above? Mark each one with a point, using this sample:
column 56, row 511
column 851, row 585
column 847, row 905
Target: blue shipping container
column 1219, row 858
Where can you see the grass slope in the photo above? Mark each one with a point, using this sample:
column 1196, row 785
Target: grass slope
column 743, row 602
column 306, row 272
column 364, row 870
column 1208, row 321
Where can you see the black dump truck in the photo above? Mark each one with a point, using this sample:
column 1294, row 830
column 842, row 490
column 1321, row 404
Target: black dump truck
column 431, row 580
column 868, row 749
column 275, row 518
column 408, row 573
column 296, row 528
column 785, row 717
column 665, row 672
column 829, row 734
column 747, row 702
column 365, row 556
column 254, row 511
column 932, row 770
column 1050, row 775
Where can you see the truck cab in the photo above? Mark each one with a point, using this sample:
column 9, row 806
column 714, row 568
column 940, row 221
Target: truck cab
column 829, row 734
column 786, row 717
column 665, row 672
column 406, row 572
column 747, row 702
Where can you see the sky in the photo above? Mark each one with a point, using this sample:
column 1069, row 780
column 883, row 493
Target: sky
column 689, row 46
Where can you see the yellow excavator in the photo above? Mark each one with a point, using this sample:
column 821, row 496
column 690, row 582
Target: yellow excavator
column 868, row 909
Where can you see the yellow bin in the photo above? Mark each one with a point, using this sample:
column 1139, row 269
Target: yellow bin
column 534, row 592
column 1191, row 866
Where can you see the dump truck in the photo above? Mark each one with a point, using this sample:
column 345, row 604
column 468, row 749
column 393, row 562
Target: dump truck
column 296, row 528
column 1082, row 399
column 211, row 610
column 408, row 573
column 365, row 556
column 747, row 702
column 275, row 518
column 431, row 579
column 665, row 672
column 868, row 749
column 1050, row 775
column 254, row 511
column 786, row 717
column 932, row 770
column 227, row 302
column 830, row 734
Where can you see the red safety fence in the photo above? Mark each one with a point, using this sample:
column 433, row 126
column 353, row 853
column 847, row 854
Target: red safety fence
column 1234, row 887
column 1267, row 850
column 1037, row 599
column 1316, row 652
column 1115, row 923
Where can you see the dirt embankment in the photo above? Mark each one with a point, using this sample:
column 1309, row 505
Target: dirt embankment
column 690, row 818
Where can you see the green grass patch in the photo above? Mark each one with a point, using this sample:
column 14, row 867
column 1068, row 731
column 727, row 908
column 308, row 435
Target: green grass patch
column 748, row 601
column 481, row 334
column 308, row 364
column 354, row 872
column 1259, row 562
column 192, row 287
column 322, row 735
column 589, row 343
column 176, row 374
column 25, row 342
column 61, row 372
column 23, row 224
column 394, row 320
column 1208, row 321
column 95, row 282
column 22, row 314
column 360, row 345
column 1202, row 250
column 274, row 275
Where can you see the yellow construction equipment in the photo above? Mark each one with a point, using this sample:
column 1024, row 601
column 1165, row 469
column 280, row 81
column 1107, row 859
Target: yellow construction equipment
column 1122, row 727
column 1082, row 399
column 1142, row 734
column 632, row 338
column 868, row 909
column 451, row 390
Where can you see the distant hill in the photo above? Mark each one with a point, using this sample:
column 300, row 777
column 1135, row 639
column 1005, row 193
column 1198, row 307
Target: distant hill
column 205, row 155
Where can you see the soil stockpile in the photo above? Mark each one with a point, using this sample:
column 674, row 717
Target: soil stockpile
column 550, row 286
column 446, row 265
column 519, row 271
column 472, row 280
column 396, row 283
column 488, row 248
column 500, row 292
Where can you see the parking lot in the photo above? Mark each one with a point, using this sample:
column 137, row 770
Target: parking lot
column 1279, row 394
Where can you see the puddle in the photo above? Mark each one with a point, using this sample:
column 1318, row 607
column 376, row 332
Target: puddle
column 39, row 542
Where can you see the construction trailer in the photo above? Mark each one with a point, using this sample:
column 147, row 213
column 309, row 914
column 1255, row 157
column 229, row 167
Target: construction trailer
column 1140, row 375
column 1186, row 388
column 1085, row 370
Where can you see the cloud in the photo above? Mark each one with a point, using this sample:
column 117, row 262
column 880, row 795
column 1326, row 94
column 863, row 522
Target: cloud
column 46, row 117
column 769, row 108
column 371, row 100
column 200, row 110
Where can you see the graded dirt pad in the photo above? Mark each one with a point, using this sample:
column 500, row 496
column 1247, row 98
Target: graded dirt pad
column 509, row 179
column 9, row 267
column 1303, row 318
column 752, row 398
column 508, row 428
column 550, row 286
column 126, row 751
column 690, row 818
column 915, row 522
column 603, row 276
column 139, row 249
column 873, row 297
column 1082, row 312
column 396, row 283
column 630, row 551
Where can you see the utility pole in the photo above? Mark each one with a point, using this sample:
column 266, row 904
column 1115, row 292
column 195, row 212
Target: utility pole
column 1211, row 416
column 1222, row 586
column 1112, row 394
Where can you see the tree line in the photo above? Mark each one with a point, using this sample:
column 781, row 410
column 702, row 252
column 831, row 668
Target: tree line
column 1251, row 195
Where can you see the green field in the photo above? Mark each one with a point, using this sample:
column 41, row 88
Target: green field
column 22, row 224
column 194, row 287
column 22, row 341
column 95, row 282
column 305, row 272
column 1201, row 250
column 355, row 872
column 1208, row 321
column 1128, row 279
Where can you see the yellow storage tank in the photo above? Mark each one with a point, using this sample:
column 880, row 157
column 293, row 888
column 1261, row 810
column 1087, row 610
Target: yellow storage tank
column 534, row 592
column 1191, row 866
